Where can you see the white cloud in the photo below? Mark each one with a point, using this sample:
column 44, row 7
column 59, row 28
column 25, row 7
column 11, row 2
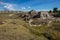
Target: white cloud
column 29, row 7
column 8, row 6
column 23, row 8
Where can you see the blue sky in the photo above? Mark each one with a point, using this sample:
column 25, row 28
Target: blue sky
column 25, row 5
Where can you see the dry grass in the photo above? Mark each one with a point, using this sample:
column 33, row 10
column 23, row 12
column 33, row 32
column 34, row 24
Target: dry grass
column 17, row 29
column 14, row 30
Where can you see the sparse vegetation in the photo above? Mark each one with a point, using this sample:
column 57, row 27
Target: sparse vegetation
column 55, row 12
column 18, row 29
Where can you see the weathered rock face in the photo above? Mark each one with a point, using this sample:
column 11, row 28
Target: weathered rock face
column 27, row 15
column 45, row 15
column 32, row 13
column 40, row 18
column 42, row 14
column 39, row 21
